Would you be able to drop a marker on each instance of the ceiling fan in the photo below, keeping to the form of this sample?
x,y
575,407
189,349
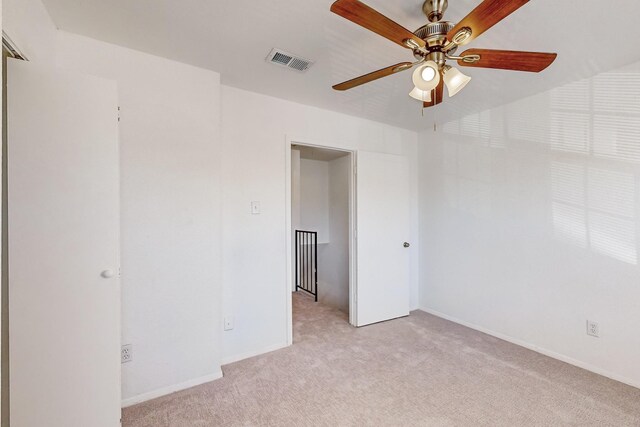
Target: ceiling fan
x,y
436,42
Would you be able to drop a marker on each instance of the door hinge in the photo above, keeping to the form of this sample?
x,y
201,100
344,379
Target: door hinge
x,y
118,113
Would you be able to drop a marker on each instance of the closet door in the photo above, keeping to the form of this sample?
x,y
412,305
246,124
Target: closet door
x,y
383,206
64,287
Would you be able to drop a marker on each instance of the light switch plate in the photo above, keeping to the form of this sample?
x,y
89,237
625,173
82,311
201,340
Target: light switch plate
x,y
228,323
255,208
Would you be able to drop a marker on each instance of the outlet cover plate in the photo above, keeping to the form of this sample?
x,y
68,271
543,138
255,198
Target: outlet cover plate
x,y
593,329
126,353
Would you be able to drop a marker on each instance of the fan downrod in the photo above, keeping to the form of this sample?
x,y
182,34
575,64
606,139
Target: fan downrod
x,y
434,9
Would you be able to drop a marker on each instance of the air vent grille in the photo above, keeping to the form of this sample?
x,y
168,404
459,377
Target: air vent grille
x,y
299,64
284,59
281,58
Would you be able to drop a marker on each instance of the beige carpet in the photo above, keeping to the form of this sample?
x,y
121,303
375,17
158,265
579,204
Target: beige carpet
x,y
415,371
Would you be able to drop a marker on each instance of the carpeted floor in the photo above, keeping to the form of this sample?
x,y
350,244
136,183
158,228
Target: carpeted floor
x,y
415,371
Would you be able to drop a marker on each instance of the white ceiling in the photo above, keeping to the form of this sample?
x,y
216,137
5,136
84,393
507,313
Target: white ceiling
x,y
233,37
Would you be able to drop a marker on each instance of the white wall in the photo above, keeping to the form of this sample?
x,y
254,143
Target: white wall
x,y
295,207
295,191
29,26
314,197
333,259
530,221
254,129
170,163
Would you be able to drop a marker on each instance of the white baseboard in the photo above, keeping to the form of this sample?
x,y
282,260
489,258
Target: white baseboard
x,y
197,381
170,389
239,357
537,349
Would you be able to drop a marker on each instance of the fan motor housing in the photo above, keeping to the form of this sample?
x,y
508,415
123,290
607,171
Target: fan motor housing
x,y
434,9
434,35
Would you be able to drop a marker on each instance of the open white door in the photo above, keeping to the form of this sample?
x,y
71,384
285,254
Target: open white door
x,y
383,290
64,287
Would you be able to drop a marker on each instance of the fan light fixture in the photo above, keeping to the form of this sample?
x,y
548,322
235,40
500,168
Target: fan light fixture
x,y
455,80
428,74
436,43
426,77
420,95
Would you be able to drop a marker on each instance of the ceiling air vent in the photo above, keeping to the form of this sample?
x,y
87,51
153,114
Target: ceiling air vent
x,y
284,59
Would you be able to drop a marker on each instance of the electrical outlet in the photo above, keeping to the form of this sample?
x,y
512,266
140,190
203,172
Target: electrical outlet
x,y
593,329
126,353
228,323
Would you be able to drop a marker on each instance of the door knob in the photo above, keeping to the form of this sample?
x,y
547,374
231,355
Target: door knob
x,y
406,244
107,274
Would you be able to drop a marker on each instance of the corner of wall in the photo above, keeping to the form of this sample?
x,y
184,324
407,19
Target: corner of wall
x,y
30,27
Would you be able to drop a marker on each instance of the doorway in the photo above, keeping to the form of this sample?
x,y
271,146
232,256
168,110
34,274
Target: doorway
x,y
321,208
379,235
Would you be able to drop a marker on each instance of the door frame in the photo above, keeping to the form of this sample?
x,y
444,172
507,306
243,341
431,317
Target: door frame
x,y
353,283
9,50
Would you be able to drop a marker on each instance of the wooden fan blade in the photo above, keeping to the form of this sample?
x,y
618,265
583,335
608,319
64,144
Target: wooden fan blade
x,y
436,94
363,15
486,15
509,60
373,76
